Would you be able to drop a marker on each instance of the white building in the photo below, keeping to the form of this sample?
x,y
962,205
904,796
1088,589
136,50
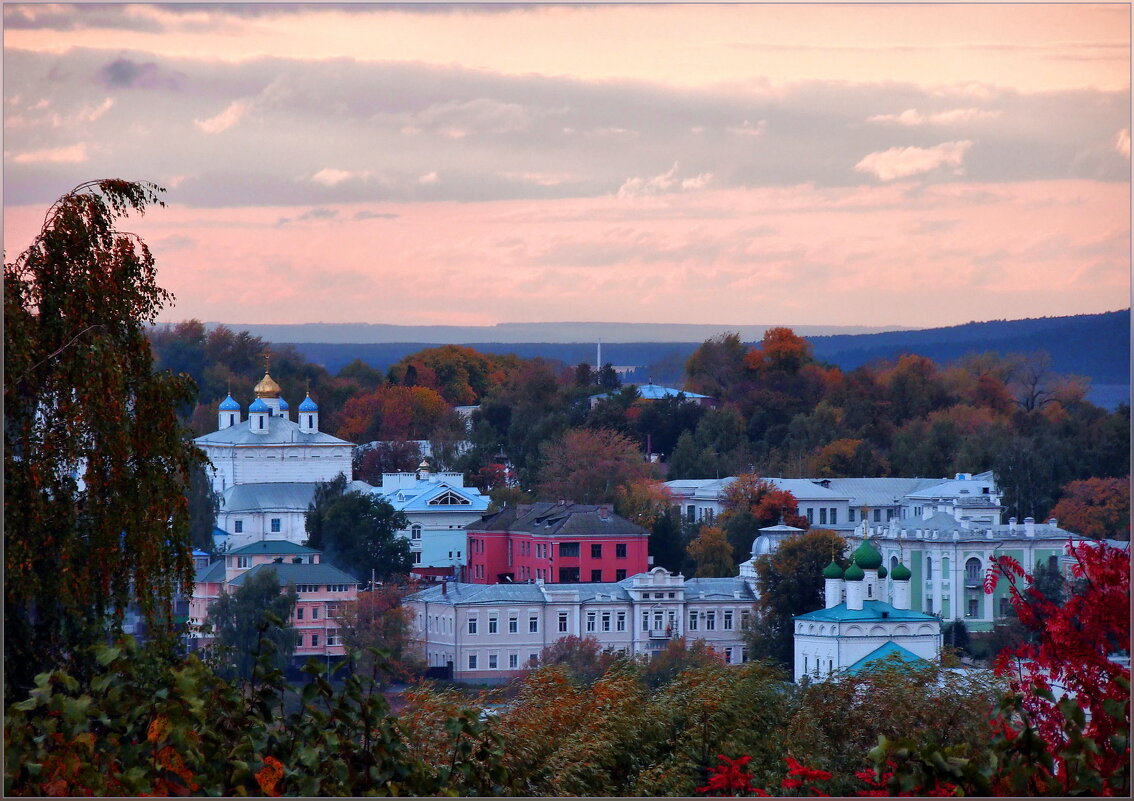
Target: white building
x,y
264,467
490,632
438,507
861,622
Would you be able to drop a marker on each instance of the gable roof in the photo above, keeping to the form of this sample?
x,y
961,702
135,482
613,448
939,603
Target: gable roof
x,y
280,432
290,573
885,652
212,574
560,520
271,548
268,496
433,496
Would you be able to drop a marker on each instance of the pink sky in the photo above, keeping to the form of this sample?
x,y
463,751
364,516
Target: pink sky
x,y
880,165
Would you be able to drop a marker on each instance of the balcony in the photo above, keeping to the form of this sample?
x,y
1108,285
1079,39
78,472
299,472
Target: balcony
x,y
662,634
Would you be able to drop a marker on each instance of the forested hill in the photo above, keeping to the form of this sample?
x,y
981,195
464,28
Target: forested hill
x,y
1093,345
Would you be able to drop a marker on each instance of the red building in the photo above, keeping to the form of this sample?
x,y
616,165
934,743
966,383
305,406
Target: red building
x,y
560,543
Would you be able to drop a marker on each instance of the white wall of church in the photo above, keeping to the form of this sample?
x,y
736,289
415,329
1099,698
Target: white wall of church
x,y
291,462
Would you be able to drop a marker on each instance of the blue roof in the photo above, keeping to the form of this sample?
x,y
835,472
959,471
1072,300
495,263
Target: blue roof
x,y
258,405
229,405
425,496
885,652
308,405
871,610
283,405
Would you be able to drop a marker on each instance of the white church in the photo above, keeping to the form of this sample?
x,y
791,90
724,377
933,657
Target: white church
x,y
265,466
860,624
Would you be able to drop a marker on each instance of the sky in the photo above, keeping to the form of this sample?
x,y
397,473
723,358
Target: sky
x,y
883,165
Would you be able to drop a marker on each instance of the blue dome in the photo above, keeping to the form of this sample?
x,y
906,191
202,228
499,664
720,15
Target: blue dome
x,y
308,405
229,405
283,405
258,405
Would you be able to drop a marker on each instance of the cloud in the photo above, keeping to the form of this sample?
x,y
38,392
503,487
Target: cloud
x,y
124,73
661,184
92,113
225,120
317,213
429,178
329,176
374,215
748,129
70,154
913,117
1122,142
902,162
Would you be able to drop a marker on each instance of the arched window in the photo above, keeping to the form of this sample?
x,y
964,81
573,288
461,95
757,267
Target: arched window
x,y
972,569
893,563
928,568
415,531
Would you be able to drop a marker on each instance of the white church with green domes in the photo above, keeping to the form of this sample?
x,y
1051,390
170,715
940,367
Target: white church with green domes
x,y
863,621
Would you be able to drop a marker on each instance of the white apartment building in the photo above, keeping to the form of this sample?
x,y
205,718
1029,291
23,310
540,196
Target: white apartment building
x,y
489,632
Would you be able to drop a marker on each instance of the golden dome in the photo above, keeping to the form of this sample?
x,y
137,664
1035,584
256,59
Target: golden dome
x,y
267,388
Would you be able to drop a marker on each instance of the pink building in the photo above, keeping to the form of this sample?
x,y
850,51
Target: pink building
x,y
558,543
320,589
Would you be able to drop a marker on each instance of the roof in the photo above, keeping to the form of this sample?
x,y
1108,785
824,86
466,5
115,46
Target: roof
x,y
652,391
213,574
308,405
878,492
280,431
560,520
590,592
258,405
275,496
945,526
713,488
951,488
871,610
290,573
229,405
885,652
426,495
271,548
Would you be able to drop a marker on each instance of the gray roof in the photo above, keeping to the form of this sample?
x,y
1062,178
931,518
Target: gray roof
x,y
875,492
272,548
488,594
280,432
214,573
717,588
560,520
273,496
290,573
461,593
946,525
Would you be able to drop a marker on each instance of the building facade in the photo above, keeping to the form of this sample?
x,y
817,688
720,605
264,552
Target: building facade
x,y
320,588
491,632
556,543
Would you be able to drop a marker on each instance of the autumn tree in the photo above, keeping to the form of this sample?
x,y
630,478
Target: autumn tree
x,y
377,620
258,609
371,461
712,553
790,583
643,502
752,503
582,658
1096,507
716,365
589,466
96,465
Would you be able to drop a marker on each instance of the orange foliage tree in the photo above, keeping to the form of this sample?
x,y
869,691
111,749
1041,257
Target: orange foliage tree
x,y
1096,507
590,465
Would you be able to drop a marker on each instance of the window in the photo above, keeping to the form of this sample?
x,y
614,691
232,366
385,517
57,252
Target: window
x,y
972,610
728,620
275,525
692,621
562,621
331,610
645,620
314,640
596,550
606,621
877,515
314,613
492,625
472,661
834,516
728,656
415,532
513,625
972,570
472,625
619,575
417,557
805,665
299,613
745,619
822,515
691,513
1005,606
850,515
596,576
307,588
242,561
568,549
657,620
620,550
332,637
533,658
568,575
238,527
513,661
492,662
710,620
591,618
533,624
620,625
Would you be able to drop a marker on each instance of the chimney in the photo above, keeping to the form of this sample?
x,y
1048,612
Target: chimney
x,y
444,587
1012,525
1030,526
1053,522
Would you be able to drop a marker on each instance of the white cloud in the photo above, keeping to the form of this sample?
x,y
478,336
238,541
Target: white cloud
x,y
697,182
72,154
660,184
428,178
92,113
329,176
902,162
225,120
539,178
913,117
748,129
1122,142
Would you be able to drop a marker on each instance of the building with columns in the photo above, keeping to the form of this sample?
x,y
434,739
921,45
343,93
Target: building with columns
x,y
265,466
863,620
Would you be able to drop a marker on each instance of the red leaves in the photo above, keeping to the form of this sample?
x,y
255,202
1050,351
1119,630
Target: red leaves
x,y
268,777
730,778
800,776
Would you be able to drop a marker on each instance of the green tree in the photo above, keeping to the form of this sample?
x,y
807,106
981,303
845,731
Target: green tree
x,y
96,465
358,532
258,610
790,581
203,505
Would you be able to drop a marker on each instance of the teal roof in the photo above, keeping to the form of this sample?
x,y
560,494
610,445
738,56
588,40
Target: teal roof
x,y
271,547
871,610
832,571
884,653
301,574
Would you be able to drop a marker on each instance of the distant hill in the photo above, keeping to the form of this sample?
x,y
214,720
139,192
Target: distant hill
x,y
1093,345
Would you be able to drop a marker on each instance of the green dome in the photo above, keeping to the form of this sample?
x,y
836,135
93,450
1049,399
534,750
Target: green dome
x,y
832,571
854,572
901,573
882,571
867,556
